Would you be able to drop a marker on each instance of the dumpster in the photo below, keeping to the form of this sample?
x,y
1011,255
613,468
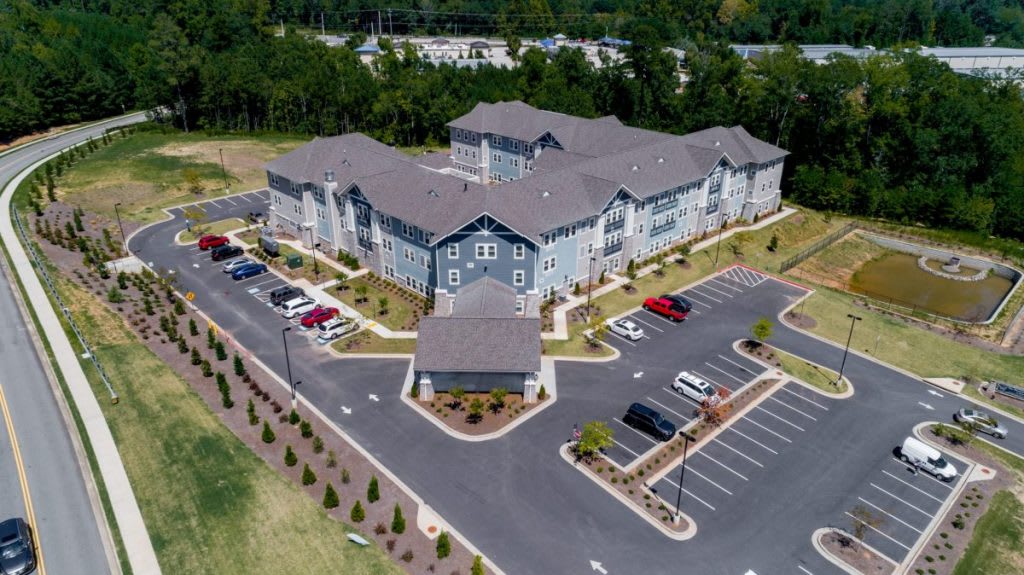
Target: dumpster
x,y
294,261
269,245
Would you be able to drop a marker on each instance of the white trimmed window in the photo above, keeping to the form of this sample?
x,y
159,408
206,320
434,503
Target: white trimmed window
x,y
453,277
495,140
528,149
496,158
297,208
518,277
520,307
453,251
424,262
386,244
519,251
486,251
570,231
514,162
515,145
549,264
409,255
458,134
385,221
549,238
408,231
273,179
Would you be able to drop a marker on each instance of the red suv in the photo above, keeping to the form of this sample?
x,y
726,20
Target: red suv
x,y
207,242
318,316
666,307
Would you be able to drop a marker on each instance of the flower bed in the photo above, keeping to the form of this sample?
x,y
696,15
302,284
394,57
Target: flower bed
x,y
459,416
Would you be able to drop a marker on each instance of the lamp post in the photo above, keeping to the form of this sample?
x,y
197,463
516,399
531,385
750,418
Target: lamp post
x,y
853,321
718,244
120,227
223,172
312,250
590,286
682,473
288,362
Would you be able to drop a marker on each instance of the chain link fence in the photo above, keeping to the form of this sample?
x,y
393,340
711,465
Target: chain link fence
x,y
817,247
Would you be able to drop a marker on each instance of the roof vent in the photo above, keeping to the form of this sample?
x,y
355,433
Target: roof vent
x,y
717,143
661,160
434,193
346,162
635,168
329,175
545,194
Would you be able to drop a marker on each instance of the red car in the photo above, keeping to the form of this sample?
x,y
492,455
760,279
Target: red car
x,y
666,307
207,242
319,316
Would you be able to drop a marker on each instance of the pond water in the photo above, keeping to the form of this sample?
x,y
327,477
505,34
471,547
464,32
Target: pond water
x,y
896,277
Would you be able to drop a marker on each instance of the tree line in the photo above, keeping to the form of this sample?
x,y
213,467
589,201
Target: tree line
x,y
897,135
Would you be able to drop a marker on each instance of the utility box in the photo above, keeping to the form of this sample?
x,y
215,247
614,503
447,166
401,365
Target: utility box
x,y
294,261
270,246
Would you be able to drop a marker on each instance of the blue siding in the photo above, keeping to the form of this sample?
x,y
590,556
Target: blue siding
x,y
486,230
566,253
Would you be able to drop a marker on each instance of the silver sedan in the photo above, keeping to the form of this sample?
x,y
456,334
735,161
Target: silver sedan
x,y
625,328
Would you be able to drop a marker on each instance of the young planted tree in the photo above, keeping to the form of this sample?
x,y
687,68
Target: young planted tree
x,y
382,305
478,566
458,393
361,293
308,477
318,444
863,518
78,220
183,345
268,434
398,521
330,497
595,436
306,429
179,307
476,410
373,491
498,395
761,330
196,358
444,546
192,327
114,295
250,409
714,409
293,417
358,513
290,459
598,331
206,368
211,338
332,459
218,349
239,366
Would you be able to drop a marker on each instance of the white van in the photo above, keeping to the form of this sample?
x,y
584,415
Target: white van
x,y
919,454
298,306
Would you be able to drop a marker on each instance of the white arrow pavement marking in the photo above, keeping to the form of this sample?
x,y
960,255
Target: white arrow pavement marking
x,y
195,265
926,406
374,397
935,393
346,410
596,566
638,375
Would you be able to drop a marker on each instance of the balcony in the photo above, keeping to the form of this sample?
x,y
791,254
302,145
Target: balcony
x,y
664,206
712,209
663,228
612,249
614,226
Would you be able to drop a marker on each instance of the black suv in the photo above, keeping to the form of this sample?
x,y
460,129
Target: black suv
x,y
257,218
226,251
679,300
645,419
17,553
285,293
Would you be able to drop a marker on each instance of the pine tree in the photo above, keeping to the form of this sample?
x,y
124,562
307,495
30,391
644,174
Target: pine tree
x,y
306,428
211,338
250,409
308,477
290,459
225,391
398,521
78,220
478,566
293,417
330,497
192,327
206,368
196,358
182,345
239,366
373,491
218,348
179,307
444,546
268,434
357,514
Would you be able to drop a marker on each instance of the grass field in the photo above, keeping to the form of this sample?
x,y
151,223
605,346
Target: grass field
x,y
210,504
820,377
576,346
843,258
995,547
214,228
147,171
894,341
369,342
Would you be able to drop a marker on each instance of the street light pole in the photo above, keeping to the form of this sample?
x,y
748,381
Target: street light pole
x,y
120,227
312,250
223,172
288,362
682,473
590,286
718,245
853,321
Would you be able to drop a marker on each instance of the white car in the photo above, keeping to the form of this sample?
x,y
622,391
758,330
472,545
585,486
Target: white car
x,y
335,328
692,386
235,264
298,306
625,328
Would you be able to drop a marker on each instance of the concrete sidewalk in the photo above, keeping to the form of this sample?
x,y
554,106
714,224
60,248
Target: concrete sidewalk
x,y
134,535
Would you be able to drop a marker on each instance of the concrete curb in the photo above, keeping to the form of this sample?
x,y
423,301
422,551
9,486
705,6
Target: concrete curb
x,y
125,507
816,542
691,529
844,395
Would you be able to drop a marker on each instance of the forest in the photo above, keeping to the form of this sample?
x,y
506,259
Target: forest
x,y
897,135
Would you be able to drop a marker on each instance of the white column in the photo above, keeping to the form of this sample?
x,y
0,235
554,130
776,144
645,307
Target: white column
x,y
426,387
529,388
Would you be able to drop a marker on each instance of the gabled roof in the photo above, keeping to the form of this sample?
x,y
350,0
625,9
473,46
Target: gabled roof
x,y
485,298
351,156
462,344
737,143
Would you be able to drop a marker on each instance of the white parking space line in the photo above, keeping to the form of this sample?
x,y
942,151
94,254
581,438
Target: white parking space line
x,y
685,418
737,452
758,407
245,197
654,327
702,294
811,401
740,381
229,201
200,253
890,515
716,290
804,570
635,454
263,282
635,431
903,501
676,485
678,395
708,379
779,435
623,339
652,314
725,285
752,440
265,290
214,203
926,474
882,533
722,465
249,278
705,478
736,364
697,301
194,249
788,406
912,486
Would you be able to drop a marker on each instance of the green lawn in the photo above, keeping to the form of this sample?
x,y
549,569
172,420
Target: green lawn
x,y
820,377
995,547
210,504
911,348
368,342
575,346
399,310
146,171
215,228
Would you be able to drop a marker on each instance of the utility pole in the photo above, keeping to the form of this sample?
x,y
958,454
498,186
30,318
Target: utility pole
x,y
223,173
853,321
718,245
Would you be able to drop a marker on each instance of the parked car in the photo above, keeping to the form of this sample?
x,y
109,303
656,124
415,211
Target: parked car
x,y
207,242
257,217
298,306
665,307
17,551
226,251
318,316
982,421
684,303
235,264
923,456
248,271
692,386
625,328
335,328
284,293
641,417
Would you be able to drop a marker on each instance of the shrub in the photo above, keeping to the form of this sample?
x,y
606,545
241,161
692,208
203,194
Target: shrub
x,y
332,459
250,408
543,393
290,459
390,545
398,521
179,307
239,366
225,391
373,491
204,366
211,338
192,327
182,346
345,477
330,497
308,477
318,444
218,348
415,391
114,295
357,514
306,428
293,417
478,566
268,434
444,547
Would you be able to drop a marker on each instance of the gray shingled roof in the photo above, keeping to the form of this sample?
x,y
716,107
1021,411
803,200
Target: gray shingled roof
x,y
351,156
737,143
506,345
485,298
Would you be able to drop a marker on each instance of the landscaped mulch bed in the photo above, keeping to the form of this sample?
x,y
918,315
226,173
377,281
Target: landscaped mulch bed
x,y
854,554
490,421
165,321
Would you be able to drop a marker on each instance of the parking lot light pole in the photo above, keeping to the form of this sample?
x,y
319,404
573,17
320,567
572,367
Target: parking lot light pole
x,y
288,362
312,250
682,473
718,244
590,286
223,172
120,227
853,321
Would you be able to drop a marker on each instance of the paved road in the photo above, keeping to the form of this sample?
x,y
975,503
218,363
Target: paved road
x,y
68,530
800,463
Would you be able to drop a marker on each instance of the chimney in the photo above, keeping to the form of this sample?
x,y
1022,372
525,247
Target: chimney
x,y
329,175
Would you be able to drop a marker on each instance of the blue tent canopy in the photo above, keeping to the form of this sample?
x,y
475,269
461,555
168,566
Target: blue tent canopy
x,y
368,49
547,42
